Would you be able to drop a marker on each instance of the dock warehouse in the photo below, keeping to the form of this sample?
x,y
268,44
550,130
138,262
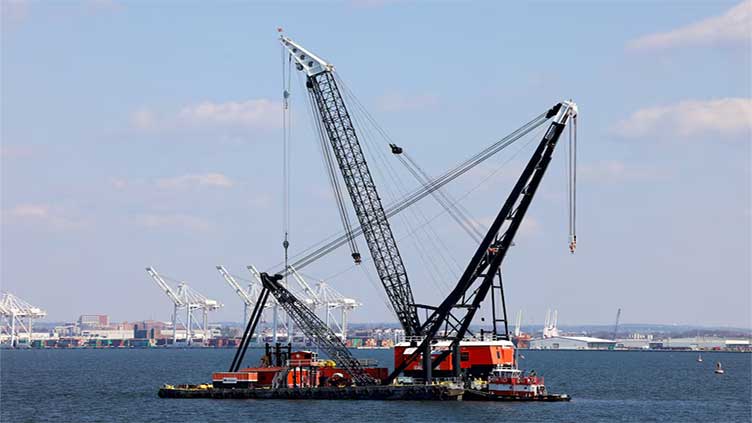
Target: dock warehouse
x,y
572,343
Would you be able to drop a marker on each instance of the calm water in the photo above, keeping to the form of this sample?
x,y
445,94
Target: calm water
x,y
121,385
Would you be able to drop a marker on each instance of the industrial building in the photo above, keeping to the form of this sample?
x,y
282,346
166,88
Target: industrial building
x,y
572,343
701,343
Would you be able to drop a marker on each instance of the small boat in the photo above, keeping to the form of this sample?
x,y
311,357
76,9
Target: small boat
x,y
510,382
718,368
699,358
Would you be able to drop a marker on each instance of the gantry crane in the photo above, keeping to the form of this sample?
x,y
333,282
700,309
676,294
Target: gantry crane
x,y
248,295
17,317
332,300
187,299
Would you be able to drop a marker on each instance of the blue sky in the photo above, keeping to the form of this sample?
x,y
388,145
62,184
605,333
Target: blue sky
x,y
137,134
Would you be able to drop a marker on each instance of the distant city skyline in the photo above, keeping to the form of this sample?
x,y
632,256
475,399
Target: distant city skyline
x,y
142,134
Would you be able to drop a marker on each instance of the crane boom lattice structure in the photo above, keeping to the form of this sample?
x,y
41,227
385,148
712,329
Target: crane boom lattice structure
x,y
339,129
451,320
311,325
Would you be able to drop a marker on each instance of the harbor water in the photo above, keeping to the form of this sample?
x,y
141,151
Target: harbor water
x,y
121,386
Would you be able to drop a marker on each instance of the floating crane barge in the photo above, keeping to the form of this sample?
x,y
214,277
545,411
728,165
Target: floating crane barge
x,y
440,359
306,377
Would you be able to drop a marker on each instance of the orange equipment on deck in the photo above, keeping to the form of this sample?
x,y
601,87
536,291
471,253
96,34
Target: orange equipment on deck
x,y
477,358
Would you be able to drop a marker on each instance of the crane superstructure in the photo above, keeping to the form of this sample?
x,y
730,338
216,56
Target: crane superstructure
x,y
17,318
187,299
450,321
336,123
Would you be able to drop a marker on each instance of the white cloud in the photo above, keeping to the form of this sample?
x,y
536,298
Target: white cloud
x,y
104,5
40,214
372,3
397,102
195,181
15,151
616,171
13,11
258,113
529,226
143,119
734,26
176,221
691,118
119,183
34,211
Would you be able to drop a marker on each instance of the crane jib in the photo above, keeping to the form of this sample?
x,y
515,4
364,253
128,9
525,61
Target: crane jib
x,y
478,277
339,129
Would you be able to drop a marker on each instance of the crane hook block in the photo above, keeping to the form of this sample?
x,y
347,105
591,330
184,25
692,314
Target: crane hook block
x,y
357,258
395,149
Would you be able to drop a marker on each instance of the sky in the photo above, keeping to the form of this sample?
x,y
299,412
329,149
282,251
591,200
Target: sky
x,y
140,134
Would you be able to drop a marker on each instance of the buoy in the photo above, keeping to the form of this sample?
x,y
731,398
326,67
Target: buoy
x,y
718,368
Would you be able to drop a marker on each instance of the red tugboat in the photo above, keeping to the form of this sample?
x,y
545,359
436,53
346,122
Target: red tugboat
x,y
512,382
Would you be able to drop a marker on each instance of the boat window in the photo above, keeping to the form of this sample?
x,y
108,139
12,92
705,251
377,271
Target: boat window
x,y
498,354
464,356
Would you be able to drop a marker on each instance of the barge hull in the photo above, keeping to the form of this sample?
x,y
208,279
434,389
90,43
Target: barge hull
x,y
382,393
475,395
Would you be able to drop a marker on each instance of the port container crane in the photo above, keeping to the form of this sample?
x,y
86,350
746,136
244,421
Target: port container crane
x,y
332,300
338,126
248,295
17,317
187,299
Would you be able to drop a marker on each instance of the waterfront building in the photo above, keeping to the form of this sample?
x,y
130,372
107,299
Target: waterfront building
x,y
572,343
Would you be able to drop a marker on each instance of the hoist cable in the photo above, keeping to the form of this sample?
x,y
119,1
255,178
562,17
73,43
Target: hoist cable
x,y
434,245
286,132
340,240
422,192
427,239
463,220
333,177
